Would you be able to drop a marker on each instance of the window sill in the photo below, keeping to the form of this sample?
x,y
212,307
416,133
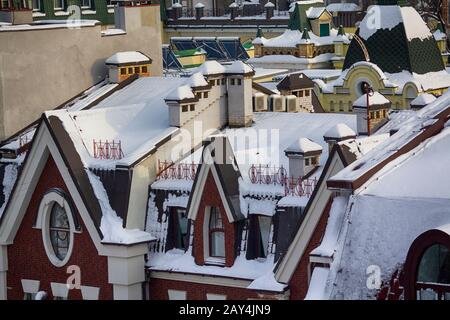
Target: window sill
x,y
214,261
61,13
37,14
88,12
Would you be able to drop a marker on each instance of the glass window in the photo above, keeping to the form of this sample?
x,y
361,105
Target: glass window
x,y
59,231
59,4
307,162
205,95
123,71
216,234
307,93
181,221
264,223
136,69
239,82
192,107
36,5
184,108
144,69
433,276
232,82
86,3
130,70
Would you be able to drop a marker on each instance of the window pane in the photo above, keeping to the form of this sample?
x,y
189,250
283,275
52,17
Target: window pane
x,y
218,244
434,266
426,294
264,229
182,229
59,231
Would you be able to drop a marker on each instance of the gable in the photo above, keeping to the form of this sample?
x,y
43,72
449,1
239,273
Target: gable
x,y
314,210
43,148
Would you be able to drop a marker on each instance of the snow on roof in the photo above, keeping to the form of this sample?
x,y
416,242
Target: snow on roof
x,y
289,59
292,5
181,93
375,99
343,7
409,129
179,261
273,132
423,99
317,284
388,17
136,115
211,68
315,12
291,38
423,82
303,145
341,130
238,67
127,57
362,145
378,231
259,40
269,5
199,5
197,80
427,164
439,35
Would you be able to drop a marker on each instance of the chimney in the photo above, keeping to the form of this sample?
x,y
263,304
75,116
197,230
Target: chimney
x,y
199,10
338,133
176,11
269,7
233,10
304,156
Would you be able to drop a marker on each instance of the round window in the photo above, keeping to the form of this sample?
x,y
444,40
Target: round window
x,y
59,229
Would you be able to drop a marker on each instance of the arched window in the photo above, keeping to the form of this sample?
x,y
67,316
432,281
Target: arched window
x,y
216,234
59,229
433,275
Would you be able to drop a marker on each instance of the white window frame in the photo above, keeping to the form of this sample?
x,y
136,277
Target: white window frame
x,y
60,291
220,261
62,2
214,296
43,223
30,287
177,294
38,8
86,7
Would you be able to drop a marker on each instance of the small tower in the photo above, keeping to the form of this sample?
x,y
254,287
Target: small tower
x,y
258,43
338,133
123,65
379,107
304,156
306,46
341,44
181,102
240,107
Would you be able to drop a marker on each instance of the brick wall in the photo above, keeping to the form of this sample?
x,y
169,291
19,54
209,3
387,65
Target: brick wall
x,y
27,258
197,291
300,280
211,197
445,12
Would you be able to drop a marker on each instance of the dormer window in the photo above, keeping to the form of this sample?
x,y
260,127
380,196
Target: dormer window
x,y
216,234
177,235
259,236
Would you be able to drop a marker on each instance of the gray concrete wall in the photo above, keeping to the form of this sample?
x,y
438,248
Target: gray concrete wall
x,y
41,69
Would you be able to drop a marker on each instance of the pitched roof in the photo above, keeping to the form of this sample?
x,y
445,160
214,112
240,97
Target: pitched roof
x,y
402,42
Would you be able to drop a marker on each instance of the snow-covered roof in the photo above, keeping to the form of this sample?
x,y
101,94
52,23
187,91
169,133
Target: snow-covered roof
x,y
408,130
238,67
315,12
291,38
388,17
136,115
303,145
375,99
341,130
197,80
181,93
269,5
423,99
199,5
343,7
127,57
211,67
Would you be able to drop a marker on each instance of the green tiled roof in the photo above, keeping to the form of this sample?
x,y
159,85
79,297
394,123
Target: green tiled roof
x,y
299,20
393,52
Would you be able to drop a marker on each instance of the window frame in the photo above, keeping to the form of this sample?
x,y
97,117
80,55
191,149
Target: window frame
x,y
84,6
63,5
215,212
57,230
